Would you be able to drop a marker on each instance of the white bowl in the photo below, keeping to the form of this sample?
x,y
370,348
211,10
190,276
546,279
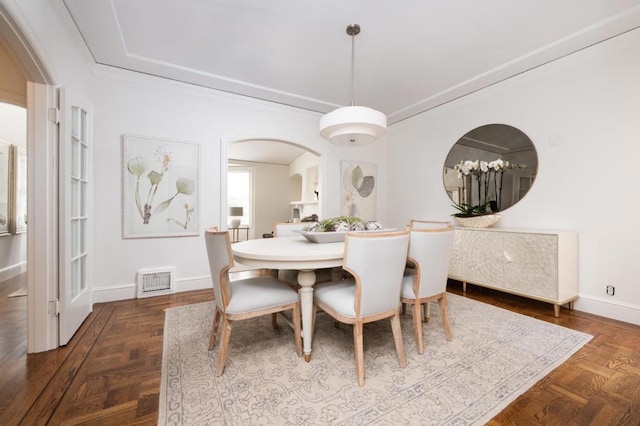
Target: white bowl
x,y
323,237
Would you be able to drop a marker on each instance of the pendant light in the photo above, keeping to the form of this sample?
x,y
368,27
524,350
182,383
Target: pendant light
x,y
353,125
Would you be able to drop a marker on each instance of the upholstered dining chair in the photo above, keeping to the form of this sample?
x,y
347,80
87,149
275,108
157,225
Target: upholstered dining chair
x,y
429,255
429,224
377,262
286,229
245,298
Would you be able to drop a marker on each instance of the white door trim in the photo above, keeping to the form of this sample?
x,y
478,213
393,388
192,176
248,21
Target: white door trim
x,y
42,234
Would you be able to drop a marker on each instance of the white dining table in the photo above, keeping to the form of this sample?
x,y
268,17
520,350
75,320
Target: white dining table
x,y
293,253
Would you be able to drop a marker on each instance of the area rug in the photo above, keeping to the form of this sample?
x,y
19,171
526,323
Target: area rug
x,y
495,356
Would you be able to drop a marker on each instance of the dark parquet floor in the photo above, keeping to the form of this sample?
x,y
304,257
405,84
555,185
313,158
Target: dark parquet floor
x,y
109,373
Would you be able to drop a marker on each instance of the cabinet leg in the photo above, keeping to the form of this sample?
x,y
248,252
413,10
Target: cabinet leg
x,y
464,286
571,305
556,310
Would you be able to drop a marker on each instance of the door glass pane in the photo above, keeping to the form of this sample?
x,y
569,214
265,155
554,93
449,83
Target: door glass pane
x,y
83,126
75,199
74,158
83,199
75,123
75,278
83,273
83,161
82,235
75,230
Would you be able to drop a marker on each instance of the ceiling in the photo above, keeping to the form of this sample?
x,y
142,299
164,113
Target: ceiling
x,y
410,56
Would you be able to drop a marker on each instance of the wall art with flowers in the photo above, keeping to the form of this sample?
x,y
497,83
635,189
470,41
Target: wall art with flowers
x,y
161,184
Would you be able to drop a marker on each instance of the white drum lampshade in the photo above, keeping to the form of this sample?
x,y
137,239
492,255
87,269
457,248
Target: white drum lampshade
x,y
353,125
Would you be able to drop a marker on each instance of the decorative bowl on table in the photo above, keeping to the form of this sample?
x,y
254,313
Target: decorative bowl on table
x,y
323,237
333,230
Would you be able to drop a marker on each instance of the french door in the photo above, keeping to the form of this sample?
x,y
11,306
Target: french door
x,y
75,288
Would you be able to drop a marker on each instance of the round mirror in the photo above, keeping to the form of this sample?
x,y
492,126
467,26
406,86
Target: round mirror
x,y
490,168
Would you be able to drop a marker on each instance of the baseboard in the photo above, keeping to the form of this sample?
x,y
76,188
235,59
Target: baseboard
x,y
129,291
12,270
607,308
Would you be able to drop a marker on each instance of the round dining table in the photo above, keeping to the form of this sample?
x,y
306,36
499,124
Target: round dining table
x,y
293,253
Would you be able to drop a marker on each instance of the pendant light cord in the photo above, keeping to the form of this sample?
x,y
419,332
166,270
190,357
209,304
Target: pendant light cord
x,y
353,72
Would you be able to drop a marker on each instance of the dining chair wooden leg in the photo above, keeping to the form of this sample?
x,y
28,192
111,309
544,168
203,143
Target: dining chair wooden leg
x,y
427,311
214,328
417,326
359,349
397,337
297,328
224,345
444,313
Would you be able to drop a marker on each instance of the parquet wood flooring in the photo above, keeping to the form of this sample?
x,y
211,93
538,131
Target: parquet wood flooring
x,y
109,373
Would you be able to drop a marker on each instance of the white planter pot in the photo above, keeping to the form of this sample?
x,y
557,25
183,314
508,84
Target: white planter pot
x,y
481,221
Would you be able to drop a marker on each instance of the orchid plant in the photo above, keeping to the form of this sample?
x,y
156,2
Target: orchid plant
x,y
486,178
138,166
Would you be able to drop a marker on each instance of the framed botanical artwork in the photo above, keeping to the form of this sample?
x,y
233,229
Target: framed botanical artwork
x,y
18,197
5,161
358,193
161,187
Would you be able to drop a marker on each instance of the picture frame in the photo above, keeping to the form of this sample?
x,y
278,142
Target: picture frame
x,y
18,191
5,188
161,184
358,193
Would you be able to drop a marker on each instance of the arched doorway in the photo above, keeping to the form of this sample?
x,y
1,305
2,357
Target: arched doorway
x,y
289,184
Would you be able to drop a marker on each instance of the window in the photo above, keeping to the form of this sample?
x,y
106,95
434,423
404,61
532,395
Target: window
x,y
240,192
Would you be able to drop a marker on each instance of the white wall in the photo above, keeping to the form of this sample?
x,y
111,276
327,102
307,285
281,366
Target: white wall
x,y
307,167
582,114
13,248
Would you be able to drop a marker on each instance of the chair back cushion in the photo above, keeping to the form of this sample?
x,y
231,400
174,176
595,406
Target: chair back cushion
x,y
377,261
430,250
220,261
288,229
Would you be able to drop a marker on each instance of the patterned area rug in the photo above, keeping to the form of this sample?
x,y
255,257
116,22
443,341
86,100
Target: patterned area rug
x,y
494,357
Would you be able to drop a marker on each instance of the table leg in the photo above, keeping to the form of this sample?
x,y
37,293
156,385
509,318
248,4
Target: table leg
x,y
306,279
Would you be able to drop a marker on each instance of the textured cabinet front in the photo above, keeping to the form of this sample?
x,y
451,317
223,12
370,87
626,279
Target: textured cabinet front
x,y
482,258
541,265
532,264
455,266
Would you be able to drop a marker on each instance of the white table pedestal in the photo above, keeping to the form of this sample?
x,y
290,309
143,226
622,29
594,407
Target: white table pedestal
x,y
306,279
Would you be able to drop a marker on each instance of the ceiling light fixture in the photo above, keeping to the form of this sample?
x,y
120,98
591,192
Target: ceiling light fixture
x,y
353,125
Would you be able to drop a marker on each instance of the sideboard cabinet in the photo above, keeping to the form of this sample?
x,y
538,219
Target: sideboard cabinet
x,y
541,265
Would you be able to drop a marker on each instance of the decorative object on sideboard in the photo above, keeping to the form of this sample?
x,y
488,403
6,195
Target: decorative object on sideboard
x,y
236,213
483,180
